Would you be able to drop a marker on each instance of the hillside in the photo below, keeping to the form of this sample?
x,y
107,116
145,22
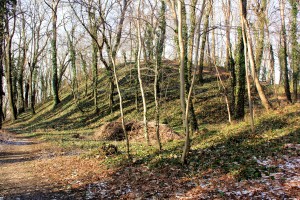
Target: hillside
x,y
226,160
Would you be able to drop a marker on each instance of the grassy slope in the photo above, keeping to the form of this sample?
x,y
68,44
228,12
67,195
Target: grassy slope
x,y
231,149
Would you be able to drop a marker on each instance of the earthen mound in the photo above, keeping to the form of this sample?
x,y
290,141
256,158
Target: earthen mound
x,y
113,131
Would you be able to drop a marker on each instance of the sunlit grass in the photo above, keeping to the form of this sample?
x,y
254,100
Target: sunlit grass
x,y
229,148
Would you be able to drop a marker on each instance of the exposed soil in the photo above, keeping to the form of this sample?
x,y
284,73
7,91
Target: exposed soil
x,y
135,129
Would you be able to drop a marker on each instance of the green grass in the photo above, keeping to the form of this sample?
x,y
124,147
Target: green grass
x,y
231,149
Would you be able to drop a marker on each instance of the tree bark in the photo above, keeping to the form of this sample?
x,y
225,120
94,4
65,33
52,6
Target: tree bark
x,y
26,96
225,93
241,75
31,88
114,48
246,29
243,11
8,60
295,49
229,63
22,63
283,54
54,53
191,36
121,107
1,60
140,76
182,80
159,50
84,68
260,12
73,60
93,30
190,50
202,49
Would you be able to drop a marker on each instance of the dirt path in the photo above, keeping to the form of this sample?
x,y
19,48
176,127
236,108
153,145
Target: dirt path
x,y
17,164
30,169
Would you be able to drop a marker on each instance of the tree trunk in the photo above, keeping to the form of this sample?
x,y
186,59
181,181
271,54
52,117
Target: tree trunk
x,y
121,107
22,63
21,105
31,87
191,36
243,11
283,54
34,91
229,63
114,48
149,42
26,94
202,49
43,87
9,67
227,13
9,61
1,60
190,50
54,53
295,49
241,75
73,62
140,76
136,82
182,80
159,50
213,45
93,28
199,32
84,68
112,91
261,93
261,9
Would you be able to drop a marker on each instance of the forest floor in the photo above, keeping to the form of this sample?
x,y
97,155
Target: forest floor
x,y
54,154
35,169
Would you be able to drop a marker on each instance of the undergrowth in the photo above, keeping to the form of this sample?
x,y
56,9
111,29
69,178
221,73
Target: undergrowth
x,y
230,149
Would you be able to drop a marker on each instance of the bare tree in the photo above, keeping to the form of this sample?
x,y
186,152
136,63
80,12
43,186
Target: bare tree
x,y
203,43
283,54
94,33
139,74
182,79
240,90
55,86
2,29
295,48
100,23
243,8
246,30
229,62
10,18
72,53
157,70
260,10
22,60
37,19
